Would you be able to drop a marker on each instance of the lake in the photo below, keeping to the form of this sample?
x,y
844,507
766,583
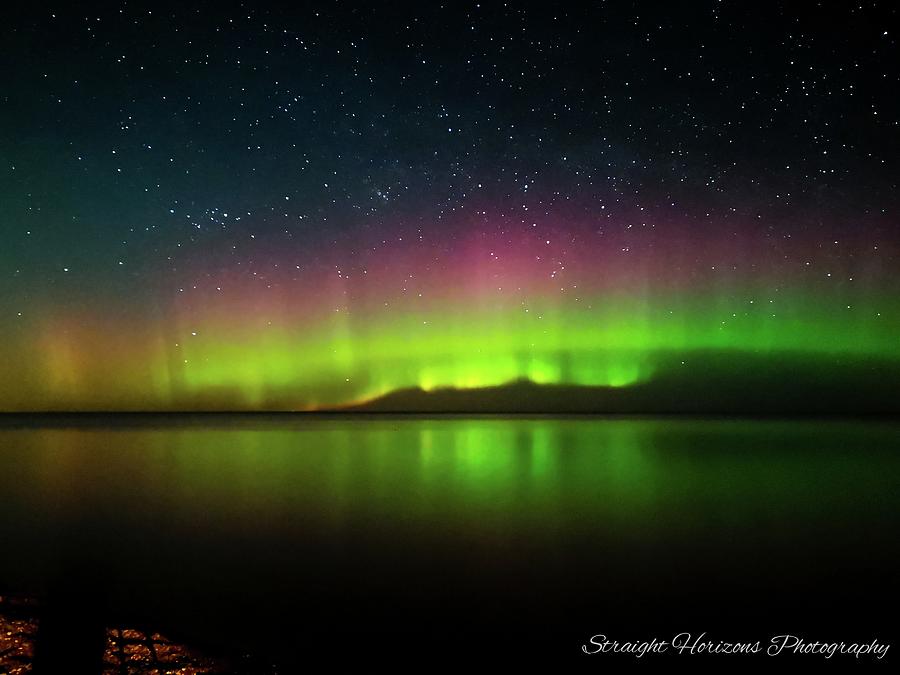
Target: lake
x,y
286,536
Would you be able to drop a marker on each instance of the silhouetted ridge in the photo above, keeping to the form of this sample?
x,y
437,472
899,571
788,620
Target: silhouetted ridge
x,y
750,385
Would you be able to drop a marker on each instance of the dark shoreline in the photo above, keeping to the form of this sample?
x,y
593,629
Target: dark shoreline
x,y
27,420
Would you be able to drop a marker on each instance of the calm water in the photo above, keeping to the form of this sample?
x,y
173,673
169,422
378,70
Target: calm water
x,y
285,534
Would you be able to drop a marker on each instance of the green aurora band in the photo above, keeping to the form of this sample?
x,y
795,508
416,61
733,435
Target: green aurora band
x,y
275,363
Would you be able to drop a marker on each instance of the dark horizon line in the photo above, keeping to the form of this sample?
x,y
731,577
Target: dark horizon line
x,y
357,412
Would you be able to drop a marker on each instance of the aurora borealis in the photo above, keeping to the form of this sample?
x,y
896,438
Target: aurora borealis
x,y
301,339
253,209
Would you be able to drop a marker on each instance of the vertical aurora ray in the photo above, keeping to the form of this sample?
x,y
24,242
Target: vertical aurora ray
x,y
471,313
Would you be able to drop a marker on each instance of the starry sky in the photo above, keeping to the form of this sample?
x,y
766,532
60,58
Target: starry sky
x,y
251,207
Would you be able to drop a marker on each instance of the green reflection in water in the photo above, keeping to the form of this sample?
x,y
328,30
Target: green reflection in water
x,y
483,478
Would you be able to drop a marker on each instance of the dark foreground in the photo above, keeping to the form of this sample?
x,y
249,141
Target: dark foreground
x,y
269,541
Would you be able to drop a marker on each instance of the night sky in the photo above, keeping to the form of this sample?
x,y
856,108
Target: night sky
x,y
240,207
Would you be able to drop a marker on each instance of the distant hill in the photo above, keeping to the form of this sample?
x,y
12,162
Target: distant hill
x,y
711,382
717,385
